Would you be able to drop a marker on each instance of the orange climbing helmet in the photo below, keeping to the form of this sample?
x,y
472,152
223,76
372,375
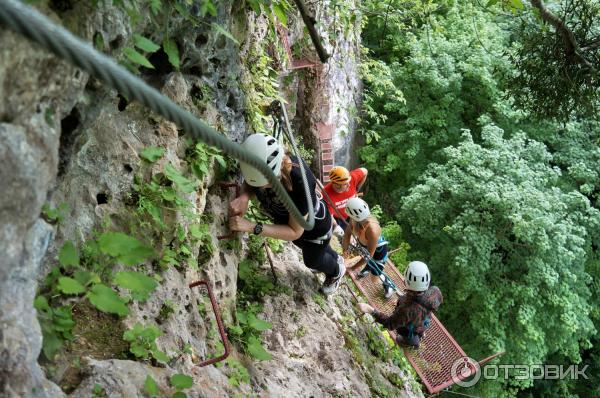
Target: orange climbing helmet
x,y
339,175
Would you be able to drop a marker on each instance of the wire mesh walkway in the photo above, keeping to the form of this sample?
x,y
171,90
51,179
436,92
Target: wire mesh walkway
x,y
438,351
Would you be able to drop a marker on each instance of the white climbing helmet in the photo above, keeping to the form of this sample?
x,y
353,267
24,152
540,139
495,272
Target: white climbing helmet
x,y
268,149
357,209
417,276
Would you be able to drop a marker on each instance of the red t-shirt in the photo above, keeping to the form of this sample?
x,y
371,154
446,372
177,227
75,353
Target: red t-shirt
x,y
340,199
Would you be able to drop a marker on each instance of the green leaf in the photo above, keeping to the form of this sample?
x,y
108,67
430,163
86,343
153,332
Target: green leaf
x,y
179,394
181,381
517,4
172,52
258,324
136,57
199,231
125,248
150,386
107,300
68,255
152,153
155,6
85,277
255,5
208,7
41,304
145,44
280,13
51,343
160,356
221,160
70,286
224,32
183,183
491,3
257,350
235,330
140,284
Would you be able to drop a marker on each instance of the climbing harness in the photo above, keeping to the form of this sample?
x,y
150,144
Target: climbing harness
x,y
30,23
375,265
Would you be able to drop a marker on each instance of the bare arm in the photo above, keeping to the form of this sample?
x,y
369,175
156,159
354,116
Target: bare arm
x,y
239,206
289,232
363,179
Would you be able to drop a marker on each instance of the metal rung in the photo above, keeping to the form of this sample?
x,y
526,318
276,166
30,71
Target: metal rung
x,y
215,308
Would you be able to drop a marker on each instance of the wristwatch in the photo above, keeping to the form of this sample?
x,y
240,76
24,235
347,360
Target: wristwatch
x,y
258,228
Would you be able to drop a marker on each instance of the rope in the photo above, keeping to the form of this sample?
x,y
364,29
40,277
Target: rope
x,y
38,28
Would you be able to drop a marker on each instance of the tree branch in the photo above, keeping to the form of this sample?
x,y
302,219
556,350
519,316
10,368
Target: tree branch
x,y
563,30
309,21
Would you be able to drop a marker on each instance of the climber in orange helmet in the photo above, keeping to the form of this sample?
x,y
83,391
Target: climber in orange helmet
x,y
343,185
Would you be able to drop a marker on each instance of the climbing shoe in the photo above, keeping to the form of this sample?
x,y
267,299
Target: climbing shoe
x,y
388,291
364,272
332,283
413,342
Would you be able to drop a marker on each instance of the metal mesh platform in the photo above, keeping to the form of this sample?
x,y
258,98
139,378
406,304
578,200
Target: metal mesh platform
x,y
438,350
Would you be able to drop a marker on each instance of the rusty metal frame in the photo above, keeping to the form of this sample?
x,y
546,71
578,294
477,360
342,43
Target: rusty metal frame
x,y
220,326
294,63
415,360
235,185
270,258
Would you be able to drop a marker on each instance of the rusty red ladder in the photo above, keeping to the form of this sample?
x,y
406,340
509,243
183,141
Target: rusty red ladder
x,y
438,351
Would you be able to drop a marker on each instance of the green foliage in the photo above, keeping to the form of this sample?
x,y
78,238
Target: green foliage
x,y
181,381
68,255
152,153
506,216
238,374
261,87
166,310
451,84
221,30
183,183
247,332
140,285
170,48
125,249
142,342
70,286
554,79
54,215
145,44
150,386
98,391
508,244
107,300
200,157
56,323
137,58
393,233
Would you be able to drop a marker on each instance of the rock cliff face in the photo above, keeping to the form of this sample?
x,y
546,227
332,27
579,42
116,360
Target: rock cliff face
x,y
71,143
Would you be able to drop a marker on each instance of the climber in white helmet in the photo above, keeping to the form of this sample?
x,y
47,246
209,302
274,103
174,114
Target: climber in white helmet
x,y
317,253
412,314
366,228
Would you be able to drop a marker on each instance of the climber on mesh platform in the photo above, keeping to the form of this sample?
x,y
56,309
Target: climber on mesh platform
x,y
317,253
412,314
366,228
342,186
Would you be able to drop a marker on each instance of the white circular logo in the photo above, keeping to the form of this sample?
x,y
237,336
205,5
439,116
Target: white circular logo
x,y
464,368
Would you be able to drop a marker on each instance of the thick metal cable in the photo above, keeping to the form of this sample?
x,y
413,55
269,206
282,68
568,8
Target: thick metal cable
x,y
37,27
